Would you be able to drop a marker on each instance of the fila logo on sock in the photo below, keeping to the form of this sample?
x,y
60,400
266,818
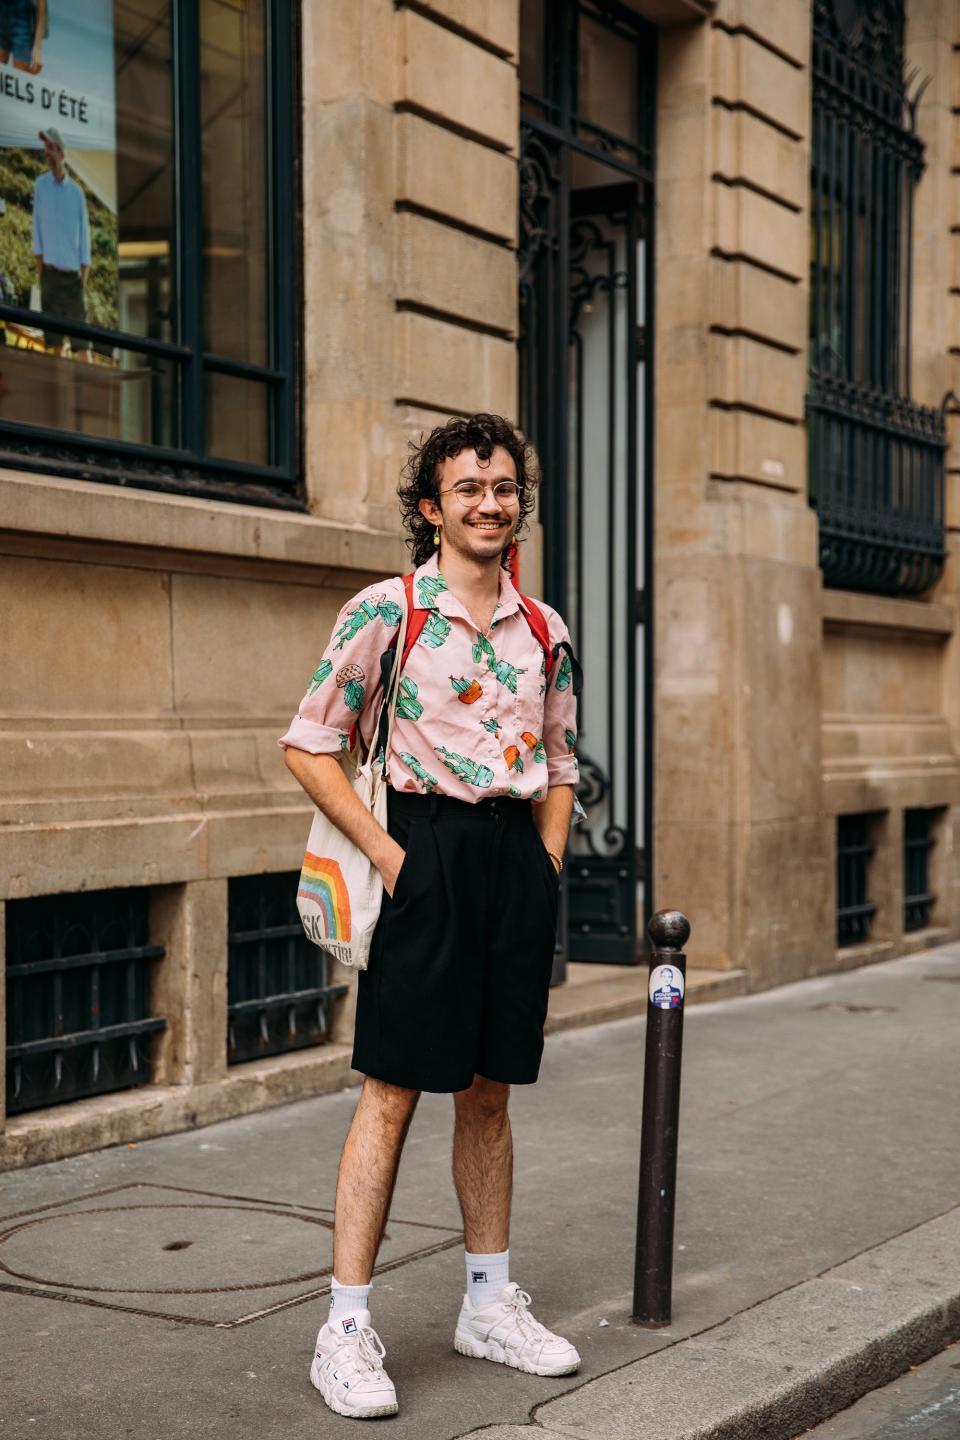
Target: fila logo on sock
x,y
479,1277
349,1326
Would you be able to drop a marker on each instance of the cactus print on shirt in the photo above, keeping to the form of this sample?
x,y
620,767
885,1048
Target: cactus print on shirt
x,y
474,716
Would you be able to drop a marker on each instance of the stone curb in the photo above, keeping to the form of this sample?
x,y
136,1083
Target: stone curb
x,y
785,1364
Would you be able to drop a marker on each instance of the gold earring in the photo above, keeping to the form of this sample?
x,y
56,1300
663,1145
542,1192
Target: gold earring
x,y
436,536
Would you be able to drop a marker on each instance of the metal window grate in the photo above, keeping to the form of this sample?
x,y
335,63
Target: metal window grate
x,y
854,911
918,842
78,1003
278,988
876,458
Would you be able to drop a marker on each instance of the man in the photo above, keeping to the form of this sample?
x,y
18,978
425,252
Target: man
x,y
481,775
23,28
61,238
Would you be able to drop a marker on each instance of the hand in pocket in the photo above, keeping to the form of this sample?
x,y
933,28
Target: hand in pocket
x,y
390,872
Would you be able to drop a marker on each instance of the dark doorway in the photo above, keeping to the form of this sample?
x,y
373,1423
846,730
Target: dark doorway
x,y
587,77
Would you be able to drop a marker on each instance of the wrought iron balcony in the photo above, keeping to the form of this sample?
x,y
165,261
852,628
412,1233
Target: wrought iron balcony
x,y
877,484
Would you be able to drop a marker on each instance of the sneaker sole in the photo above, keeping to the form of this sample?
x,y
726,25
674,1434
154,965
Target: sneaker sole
x,y
490,1350
369,1412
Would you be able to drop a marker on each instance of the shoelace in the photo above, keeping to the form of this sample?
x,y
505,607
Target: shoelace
x,y
529,1326
370,1350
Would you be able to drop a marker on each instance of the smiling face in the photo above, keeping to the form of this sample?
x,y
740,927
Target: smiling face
x,y
481,531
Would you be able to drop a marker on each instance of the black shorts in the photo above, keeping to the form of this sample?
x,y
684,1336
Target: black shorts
x,y
461,957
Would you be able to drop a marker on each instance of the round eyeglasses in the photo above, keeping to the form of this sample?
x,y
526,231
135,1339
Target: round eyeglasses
x,y
471,492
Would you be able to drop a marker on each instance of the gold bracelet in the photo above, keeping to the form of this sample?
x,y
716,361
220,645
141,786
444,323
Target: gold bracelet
x,y
557,858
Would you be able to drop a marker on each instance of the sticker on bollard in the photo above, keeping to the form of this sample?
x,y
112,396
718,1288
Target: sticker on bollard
x,y
666,987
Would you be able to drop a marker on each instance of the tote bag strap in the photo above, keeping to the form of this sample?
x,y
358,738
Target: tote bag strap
x,y
383,735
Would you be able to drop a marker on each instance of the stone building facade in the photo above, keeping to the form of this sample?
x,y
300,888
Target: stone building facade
x,y
158,629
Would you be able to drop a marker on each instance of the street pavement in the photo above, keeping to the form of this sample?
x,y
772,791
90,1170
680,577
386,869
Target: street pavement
x,y
176,1286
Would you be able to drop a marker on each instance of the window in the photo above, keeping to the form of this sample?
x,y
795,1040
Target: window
x,y
146,246
278,990
918,842
78,1007
876,458
855,911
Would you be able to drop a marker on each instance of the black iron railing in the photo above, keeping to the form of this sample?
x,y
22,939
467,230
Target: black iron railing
x,y
876,459
855,911
918,842
278,990
877,485
78,1005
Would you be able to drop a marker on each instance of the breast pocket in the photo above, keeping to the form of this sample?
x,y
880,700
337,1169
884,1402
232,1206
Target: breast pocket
x,y
528,713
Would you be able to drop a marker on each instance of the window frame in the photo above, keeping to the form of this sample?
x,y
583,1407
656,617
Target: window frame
x,y
185,468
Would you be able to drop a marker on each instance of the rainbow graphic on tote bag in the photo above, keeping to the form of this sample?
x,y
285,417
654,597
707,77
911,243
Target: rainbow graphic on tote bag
x,y
322,884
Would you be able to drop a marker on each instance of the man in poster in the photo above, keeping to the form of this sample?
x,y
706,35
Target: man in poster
x,y
23,25
61,238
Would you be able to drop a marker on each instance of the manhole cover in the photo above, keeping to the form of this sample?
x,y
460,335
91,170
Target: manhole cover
x,y
193,1256
143,1249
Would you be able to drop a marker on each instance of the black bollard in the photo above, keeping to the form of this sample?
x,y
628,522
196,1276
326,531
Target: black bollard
x,y
653,1275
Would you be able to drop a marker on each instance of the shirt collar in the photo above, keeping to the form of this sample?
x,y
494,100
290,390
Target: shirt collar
x,y
431,593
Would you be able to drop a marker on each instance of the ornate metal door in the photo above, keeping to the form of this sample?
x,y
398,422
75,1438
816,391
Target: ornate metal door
x,y
585,265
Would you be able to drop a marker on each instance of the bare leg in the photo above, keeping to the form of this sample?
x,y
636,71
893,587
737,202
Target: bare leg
x,y
368,1173
483,1164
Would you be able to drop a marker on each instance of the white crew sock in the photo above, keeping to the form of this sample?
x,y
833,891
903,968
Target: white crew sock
x,y
347,1300
486,1277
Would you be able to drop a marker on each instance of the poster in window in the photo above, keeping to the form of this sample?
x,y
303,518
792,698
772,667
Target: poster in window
x,y
58,169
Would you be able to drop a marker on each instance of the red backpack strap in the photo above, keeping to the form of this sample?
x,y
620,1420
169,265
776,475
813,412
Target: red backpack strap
x,y
416,619
539,628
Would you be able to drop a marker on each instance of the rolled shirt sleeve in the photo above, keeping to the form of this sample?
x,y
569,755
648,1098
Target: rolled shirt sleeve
x,y
345,689
560,710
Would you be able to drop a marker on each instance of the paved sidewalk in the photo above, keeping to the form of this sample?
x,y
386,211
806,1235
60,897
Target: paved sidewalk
x,y
174,1288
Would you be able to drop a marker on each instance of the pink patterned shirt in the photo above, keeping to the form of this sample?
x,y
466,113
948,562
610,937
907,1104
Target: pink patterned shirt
x,y
476,716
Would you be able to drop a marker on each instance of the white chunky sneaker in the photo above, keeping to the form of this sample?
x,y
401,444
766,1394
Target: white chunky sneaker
x,y
348,1368
505,1331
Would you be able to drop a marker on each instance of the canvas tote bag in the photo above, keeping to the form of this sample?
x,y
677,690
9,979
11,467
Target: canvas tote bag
x,y
340,890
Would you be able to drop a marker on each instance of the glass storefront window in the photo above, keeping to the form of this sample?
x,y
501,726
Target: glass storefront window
x,y
145,158
237,413
235,200
120,396
144,82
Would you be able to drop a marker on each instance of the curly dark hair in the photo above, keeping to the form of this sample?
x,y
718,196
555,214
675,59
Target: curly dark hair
x,y
421,474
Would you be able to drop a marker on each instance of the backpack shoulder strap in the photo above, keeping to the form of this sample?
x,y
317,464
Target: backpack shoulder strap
x,y
416,619
539,628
